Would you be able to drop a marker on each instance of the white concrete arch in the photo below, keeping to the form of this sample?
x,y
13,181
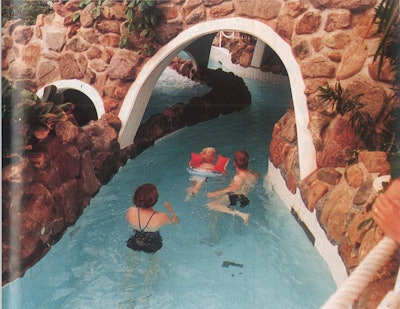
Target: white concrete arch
x,y
81,86
136,100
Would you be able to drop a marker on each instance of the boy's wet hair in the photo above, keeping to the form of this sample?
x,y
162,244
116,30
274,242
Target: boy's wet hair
x,y
145,196
241,159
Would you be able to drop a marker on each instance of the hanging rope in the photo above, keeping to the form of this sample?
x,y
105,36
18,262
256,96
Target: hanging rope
x,y
350,291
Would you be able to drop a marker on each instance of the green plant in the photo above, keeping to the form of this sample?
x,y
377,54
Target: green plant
x,y
28,118
365,127
142,16
387,18
99,4
26,10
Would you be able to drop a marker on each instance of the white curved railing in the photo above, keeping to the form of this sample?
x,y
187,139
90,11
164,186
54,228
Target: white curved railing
x,y
222,34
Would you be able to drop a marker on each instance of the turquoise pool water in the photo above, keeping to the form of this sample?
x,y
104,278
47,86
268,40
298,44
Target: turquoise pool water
x,y
274,264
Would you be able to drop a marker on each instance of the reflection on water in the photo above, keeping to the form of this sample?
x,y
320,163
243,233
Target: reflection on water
x,y
90,267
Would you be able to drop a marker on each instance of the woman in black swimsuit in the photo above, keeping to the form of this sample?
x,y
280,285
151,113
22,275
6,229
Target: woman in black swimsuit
x,y
146,221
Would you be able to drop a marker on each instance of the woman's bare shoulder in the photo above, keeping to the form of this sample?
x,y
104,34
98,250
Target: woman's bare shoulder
x,y
162,217
131,211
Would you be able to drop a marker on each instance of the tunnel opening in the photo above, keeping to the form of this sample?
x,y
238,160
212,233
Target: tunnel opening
x,y
84,110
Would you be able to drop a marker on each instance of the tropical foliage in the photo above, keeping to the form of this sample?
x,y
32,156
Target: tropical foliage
x,y
26,118
142,17
387,137
374,136
388,20
26,10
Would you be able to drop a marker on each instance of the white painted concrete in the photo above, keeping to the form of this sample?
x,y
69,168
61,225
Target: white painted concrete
x,y
329,252
81,86
136,100
258,54
222,55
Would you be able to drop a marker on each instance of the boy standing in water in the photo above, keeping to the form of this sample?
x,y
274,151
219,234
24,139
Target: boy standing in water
x,y
241,184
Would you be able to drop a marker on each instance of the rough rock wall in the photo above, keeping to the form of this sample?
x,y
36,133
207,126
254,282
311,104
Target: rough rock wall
x,y
46,189
332,41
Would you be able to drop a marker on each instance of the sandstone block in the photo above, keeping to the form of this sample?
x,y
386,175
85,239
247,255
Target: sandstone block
x,y
69,68
78,44
309,23
109,26
371,95
375,161
284,26
196,15
356,231
363,193
337,40
317,67
259,9
348,254
296,7
20,70
353,60
339,143
55,40
339,204
278,150
302,50
221,10
314,194
23,34
369,241
339,19
355,5
329,175
31,54
354,176
291,166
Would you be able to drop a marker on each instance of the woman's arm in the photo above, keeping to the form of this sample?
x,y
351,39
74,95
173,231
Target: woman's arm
x,y
171,211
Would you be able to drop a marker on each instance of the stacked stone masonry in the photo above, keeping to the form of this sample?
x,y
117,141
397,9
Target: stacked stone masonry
x,y
331,40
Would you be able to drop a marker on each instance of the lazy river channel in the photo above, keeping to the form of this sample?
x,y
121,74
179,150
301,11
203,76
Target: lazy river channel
x,y
209,259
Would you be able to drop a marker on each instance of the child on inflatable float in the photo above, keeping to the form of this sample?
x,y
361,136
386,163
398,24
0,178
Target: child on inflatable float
x,y
201,167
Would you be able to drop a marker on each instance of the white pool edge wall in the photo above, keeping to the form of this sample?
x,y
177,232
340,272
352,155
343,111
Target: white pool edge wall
x,y
329,252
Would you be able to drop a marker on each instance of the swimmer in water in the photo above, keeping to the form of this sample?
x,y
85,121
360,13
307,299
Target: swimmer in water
x,y
147,222
206,165
242,183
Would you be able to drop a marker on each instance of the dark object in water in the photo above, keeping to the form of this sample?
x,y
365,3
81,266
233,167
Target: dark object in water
x,y
227,264
234,198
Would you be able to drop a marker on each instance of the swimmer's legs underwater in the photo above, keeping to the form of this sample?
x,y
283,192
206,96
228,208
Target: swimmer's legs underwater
x,y
139,287
215,206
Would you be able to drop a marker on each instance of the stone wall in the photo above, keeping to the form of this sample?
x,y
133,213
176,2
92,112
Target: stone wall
x,y
45,190
331,40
